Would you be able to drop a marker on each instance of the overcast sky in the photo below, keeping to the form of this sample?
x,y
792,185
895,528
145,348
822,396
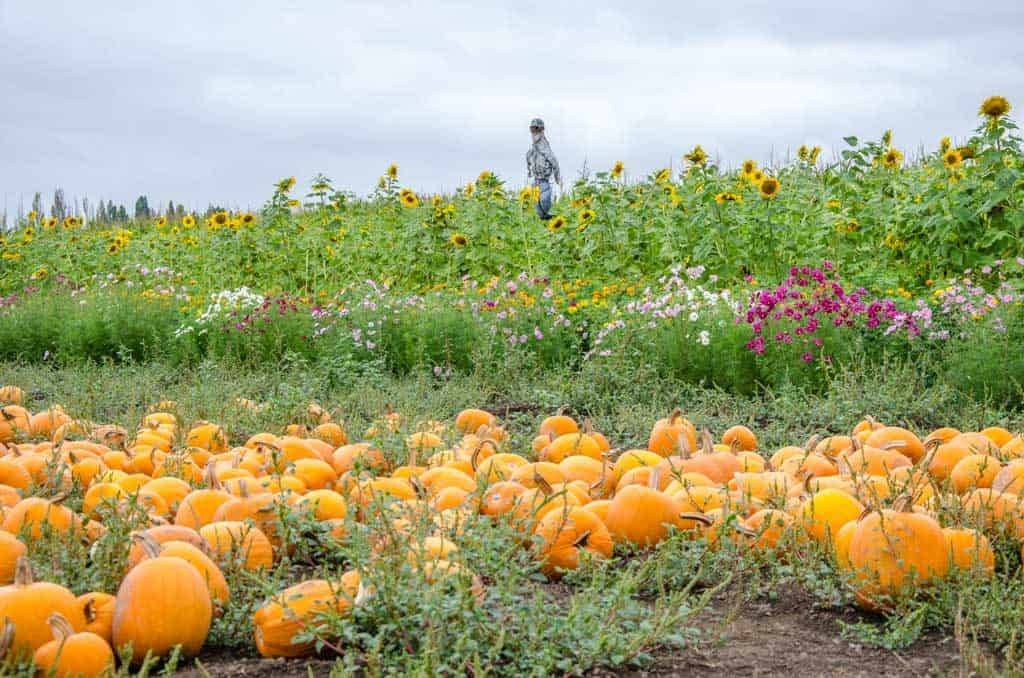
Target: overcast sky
x,y
208,101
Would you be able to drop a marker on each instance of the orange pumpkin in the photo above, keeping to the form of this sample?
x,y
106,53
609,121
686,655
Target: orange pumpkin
x,y
290,613
161,603
98,609
233,540
82,654
11,550
28,604
565,535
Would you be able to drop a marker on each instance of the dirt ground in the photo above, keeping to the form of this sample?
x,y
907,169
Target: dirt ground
x,y
787,637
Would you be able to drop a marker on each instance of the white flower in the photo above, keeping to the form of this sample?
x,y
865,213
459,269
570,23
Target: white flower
x,y
704,338
693,317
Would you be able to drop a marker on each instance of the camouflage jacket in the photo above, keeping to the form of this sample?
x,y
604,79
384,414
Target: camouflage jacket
x,y
541,163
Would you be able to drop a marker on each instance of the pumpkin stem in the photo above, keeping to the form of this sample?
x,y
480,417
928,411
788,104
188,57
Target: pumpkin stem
x,y
413,454
211,477
420,490
654,482
6,637
684,446
744,530
599,483
706,444
23,572
588,426
60,627
581,541
734,446
542,483
474,458
89,610
150,546
811,443
676,414
58,498
699,517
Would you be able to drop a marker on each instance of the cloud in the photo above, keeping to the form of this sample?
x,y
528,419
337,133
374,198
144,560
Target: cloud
x,y
213,102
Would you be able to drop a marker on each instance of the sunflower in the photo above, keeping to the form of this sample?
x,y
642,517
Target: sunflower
x,y
485,176
994,107
113,248
803,152
50,223
887,138
525,195
756,177
188,221
175,230
392,171
161,222
32,216
248,218
459,240
697,156
815,152
662,176
893,158
586,216
286,185
294,203
769,187
69,222
409,199
951,158
966,152
435,201
617,169
469,188
29,233
556,224
40,273
944,144
221,219
749,167
726,196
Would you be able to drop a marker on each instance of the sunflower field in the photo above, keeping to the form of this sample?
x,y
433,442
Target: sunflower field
x,y
700,412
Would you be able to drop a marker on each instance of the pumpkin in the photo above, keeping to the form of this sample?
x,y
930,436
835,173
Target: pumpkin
x,y
206,568
975,471
826,512
11,395
208,437
970,551
470,420
161,534
288,614
558,425
501,498
28,604
894,550
1010,478
233,540
565,535
161,603
324,504
672,435
740,438
571,444
332,433
640,514
11,550
82,654
945,457
35,513
98,609
769,527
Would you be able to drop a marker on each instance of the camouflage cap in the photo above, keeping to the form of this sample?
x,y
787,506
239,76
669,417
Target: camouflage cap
x,y
537,122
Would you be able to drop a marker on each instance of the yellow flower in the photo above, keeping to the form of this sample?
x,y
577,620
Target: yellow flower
x,y
221,219
459,240
113,248
188,221
435,201
893,158
617,169
749,167
409,199
70,222
525,195
951,158
833,204
484,177
887,138
50,223
12,256
556,224
944,144
803,152
966,152
392,171
726,196
697,156
32,216
40,273
586,216
247,218
382,182
161,222
662,176
756,177
815,152
769,187
994,107
469,188
293,203
286,185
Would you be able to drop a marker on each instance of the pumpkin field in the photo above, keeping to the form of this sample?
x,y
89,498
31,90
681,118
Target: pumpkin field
x,y
706,421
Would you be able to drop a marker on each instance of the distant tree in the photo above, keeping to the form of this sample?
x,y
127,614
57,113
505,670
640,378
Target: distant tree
x,y
37,205
142,208
179,211
170,209
122,213
101,211
59,208
85,207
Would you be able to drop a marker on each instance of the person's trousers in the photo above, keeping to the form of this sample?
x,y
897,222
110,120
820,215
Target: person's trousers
x,y
544,201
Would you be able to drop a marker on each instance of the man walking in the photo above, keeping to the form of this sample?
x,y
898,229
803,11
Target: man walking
x,y
541,165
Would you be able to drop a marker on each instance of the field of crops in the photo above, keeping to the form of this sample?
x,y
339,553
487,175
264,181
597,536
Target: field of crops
x,y
700,415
